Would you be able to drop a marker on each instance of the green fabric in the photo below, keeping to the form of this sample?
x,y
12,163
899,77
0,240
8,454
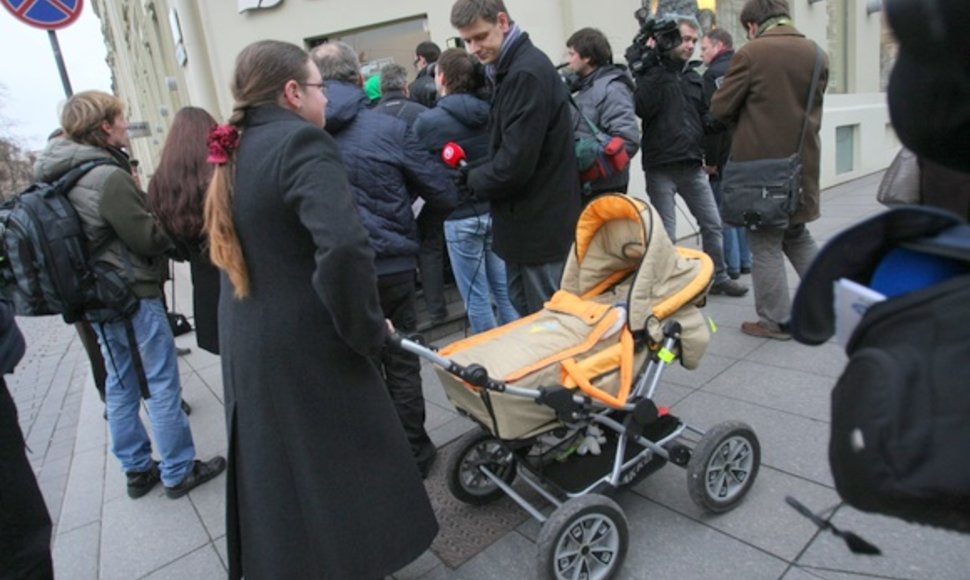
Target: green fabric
x,y
372,87
586,151
114,213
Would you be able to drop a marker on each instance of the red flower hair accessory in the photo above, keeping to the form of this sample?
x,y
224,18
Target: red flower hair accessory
x,y
223,142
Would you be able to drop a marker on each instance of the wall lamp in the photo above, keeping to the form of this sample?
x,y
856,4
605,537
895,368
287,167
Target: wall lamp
x,y
873,6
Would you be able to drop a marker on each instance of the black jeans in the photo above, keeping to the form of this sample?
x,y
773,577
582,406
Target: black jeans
x,y
431,258
25,525
402,370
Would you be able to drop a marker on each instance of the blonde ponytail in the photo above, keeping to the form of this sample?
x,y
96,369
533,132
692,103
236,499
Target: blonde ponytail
x,y
225,250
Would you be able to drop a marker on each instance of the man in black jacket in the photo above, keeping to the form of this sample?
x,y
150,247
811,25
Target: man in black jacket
x,y
423,89
431,257
670,101
387,168
717,48
395,94
530,176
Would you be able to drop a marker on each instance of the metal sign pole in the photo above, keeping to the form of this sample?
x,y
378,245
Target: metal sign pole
x,y
56,47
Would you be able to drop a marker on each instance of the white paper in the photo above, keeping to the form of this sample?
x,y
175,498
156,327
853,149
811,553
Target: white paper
x,y
416,206
852,300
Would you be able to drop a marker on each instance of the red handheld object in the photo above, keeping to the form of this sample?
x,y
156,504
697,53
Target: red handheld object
x,y
453,155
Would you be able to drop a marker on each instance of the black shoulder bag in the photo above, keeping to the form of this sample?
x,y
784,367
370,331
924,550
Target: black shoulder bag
x,y
764,193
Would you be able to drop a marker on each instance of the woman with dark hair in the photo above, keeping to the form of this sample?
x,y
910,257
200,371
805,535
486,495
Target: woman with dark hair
x,y
176,194
462,117
321,481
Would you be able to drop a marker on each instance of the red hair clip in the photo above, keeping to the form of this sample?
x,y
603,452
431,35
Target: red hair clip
x,y
223,142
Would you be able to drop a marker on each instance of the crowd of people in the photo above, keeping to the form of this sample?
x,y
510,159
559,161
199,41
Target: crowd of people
x,y
351,189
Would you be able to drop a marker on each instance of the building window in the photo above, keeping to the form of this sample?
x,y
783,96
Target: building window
x,y
840,14
845,138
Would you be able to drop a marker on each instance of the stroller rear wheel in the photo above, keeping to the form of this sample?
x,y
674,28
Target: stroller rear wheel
x,y
586,537
724,466
466,481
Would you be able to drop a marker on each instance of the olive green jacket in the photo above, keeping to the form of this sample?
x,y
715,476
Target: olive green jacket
x,y
120,229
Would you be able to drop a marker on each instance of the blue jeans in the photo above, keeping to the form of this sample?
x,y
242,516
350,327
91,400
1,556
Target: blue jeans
x,y
480,273
690,181
170,425
737,254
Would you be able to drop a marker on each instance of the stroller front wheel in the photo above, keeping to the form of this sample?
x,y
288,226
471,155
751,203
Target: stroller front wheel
x,y
466,481
724,466
586,537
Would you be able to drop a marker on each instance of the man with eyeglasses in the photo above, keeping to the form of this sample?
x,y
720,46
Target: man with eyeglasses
x,y
423,89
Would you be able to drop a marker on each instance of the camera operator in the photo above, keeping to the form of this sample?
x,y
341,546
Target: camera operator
x,y
670,101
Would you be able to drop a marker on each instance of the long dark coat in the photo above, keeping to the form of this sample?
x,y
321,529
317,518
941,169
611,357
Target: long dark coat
x,y
764,92
205,298
205,290
321,483
530,178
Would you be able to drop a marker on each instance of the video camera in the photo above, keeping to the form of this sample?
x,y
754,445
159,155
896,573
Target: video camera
x,y
665,34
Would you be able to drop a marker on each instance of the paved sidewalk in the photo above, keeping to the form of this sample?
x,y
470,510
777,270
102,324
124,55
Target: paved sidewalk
x,y
781,389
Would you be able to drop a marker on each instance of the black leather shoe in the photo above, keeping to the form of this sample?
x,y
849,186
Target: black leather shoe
x,y
142,482
425,459
202,471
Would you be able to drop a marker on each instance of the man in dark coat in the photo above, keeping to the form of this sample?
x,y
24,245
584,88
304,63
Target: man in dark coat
x,y
431,256
530,177
423,89
764,94
394,95
717,49
25,525
670,101
387,168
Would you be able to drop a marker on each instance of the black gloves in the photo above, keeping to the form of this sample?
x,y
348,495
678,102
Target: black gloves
x,y
634,54
641,58
461,183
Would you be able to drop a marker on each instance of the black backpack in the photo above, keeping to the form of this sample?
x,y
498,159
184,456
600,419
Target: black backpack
x,y
44,263
900,431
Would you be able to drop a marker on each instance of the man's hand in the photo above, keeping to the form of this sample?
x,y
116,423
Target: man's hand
x,y
710,169
634,54
641,57
461,183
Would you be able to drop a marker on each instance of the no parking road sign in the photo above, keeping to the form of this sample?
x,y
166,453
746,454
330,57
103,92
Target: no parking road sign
x,y
46,14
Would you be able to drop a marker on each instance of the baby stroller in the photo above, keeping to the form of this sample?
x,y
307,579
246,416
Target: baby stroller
x,y
555,393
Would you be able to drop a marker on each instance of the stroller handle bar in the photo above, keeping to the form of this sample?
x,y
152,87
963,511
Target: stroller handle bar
x,y
476,375
473,374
